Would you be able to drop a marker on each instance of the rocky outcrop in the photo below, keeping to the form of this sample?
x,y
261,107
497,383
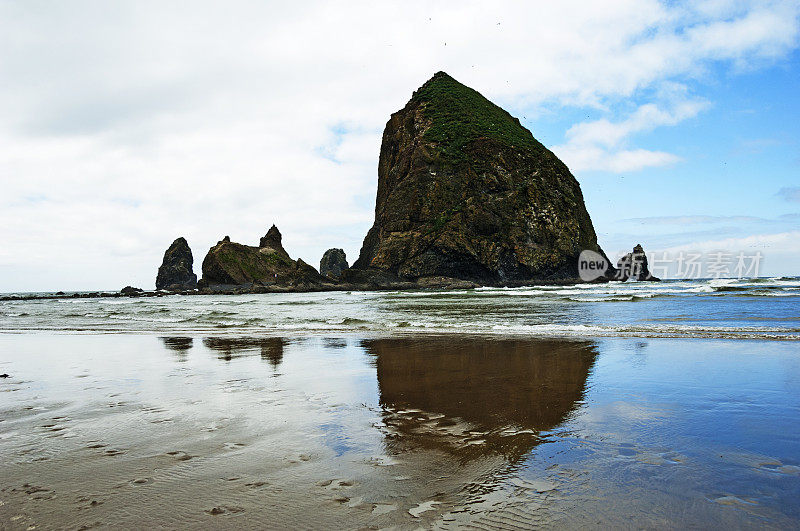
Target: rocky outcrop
x,y
130,290
273,240
234,264
333,263
466,192
175,272
634,266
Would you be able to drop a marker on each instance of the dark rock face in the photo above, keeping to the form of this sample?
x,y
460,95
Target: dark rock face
x,y
272,239
130,290
231,263
175,272
466,192
333,262
634,265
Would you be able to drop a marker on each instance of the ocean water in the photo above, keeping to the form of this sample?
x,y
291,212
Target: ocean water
x,y
763,308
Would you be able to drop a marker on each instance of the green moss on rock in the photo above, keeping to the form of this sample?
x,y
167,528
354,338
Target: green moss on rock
x,y
460,115
231,263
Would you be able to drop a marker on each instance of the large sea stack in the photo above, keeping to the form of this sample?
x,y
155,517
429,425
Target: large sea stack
x,y
234,264
465,191
176,272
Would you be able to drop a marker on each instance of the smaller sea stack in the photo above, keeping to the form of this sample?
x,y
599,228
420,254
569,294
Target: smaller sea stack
x,y
333,263
175,272
634,266
234,264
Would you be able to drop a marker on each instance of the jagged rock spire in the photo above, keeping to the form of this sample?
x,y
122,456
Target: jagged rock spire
x,y
176,269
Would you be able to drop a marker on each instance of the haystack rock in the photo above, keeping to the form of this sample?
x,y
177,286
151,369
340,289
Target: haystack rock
x,y
634,266
333,263
175,272
466,192
230,263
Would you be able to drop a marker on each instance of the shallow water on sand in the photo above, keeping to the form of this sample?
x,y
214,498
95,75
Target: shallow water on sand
x,y
206,431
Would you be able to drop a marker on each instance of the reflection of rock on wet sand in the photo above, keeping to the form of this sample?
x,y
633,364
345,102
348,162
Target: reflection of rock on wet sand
x,y
478,396
178,344
271,347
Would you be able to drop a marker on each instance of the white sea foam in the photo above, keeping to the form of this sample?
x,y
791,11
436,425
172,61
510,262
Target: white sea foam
x,y
705,308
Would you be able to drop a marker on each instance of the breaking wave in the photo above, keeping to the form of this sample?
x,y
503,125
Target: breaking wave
x,y
724,308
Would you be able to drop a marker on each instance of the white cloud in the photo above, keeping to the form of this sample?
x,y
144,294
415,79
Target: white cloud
x,y
601,144
708,220
645,118
780,242
582,157
778,251
772,254
126,124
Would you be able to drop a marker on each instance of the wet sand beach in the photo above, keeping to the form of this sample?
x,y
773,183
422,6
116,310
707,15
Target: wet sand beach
x,y
187,431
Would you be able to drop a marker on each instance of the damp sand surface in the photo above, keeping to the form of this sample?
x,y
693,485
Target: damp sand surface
x,y
137,431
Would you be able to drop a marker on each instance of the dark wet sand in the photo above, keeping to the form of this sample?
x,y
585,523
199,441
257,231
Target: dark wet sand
x,y
187,432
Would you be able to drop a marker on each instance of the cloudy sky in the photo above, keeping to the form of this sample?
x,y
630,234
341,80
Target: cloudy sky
x,y
126,124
